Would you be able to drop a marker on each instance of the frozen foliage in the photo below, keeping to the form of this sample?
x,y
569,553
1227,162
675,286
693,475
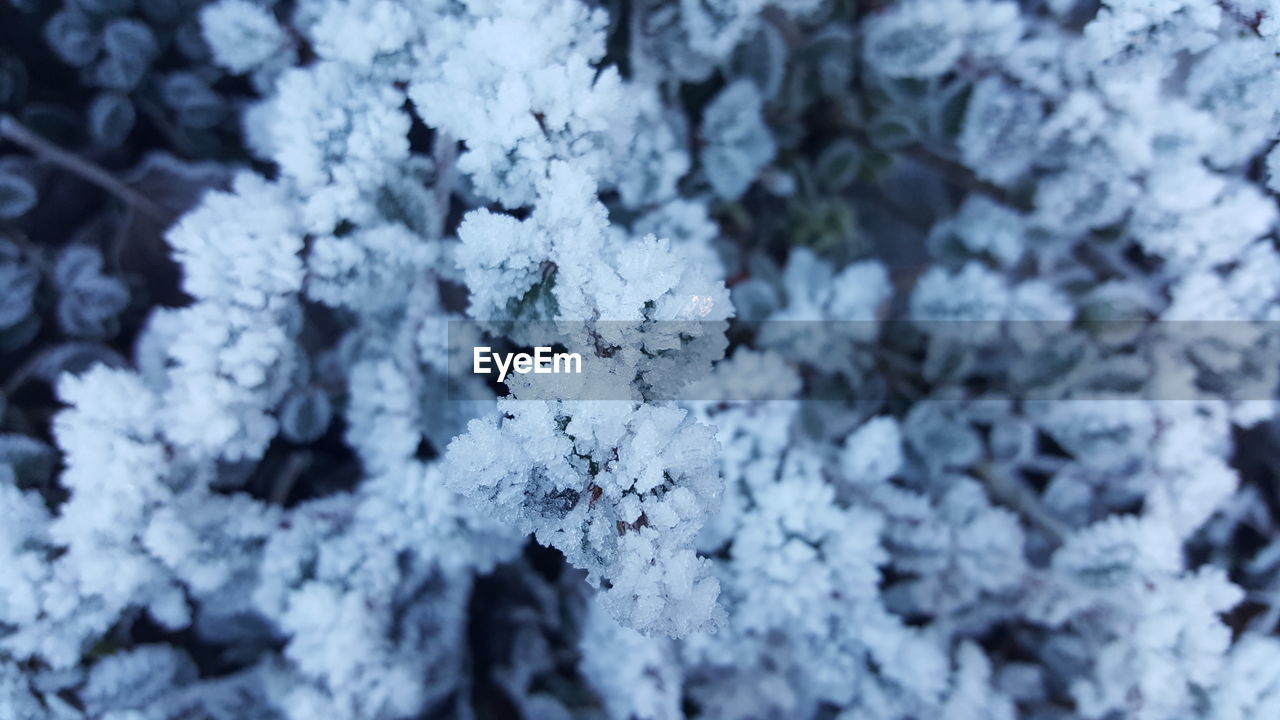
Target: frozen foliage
x,y
925,38
1000,126
233,354
623,502
20,280
997,439
89,301
737,142
109,436
243,36
638,676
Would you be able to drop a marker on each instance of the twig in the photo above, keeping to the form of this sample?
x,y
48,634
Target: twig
x,y
962,177
294,466
1011,492
19,134
1110,261
951,171
445,153
121,237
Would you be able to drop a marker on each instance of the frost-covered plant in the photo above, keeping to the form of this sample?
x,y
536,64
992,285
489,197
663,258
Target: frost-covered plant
x,y
927,351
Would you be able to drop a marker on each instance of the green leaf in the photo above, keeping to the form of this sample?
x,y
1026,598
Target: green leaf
x,y
891,132
838,165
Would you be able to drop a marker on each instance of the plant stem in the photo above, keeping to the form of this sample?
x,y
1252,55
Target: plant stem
x,y
446,155
297,462
952,172
19,134
1011,492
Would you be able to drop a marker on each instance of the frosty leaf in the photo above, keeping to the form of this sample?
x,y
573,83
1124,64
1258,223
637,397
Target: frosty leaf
x,y
88,309
336,133
136,678
833,50
940,438
637,675
17,195
173,186
73,38
913,39
19,281
503,261
1236,81
961,305
763,60
13,81
195,103
850,554
983,229
16,696
73,357
1117,552
76,263
128,49
1251,683
715,26
1083,197
894,131
409,201
31,461
660,43
859,293
1000,131
111,118
306,415
738,143
873,453
19,333
368,269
